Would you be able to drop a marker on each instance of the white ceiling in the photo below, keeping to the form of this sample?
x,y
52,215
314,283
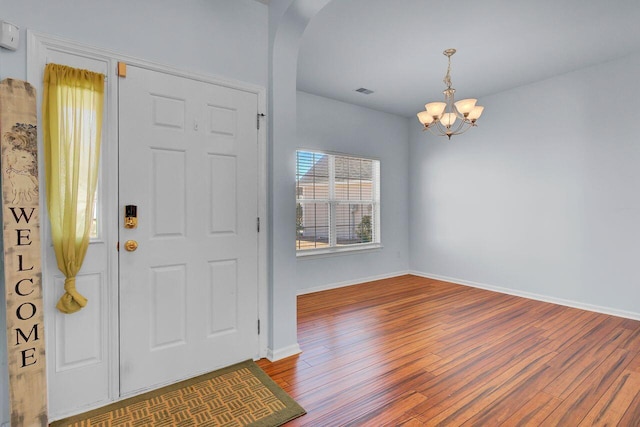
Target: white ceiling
x,y
394,47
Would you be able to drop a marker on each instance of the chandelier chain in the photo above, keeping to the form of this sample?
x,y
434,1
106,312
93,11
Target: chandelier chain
x,y
447,77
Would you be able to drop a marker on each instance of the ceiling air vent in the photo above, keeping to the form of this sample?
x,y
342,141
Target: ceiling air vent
x,y
365,91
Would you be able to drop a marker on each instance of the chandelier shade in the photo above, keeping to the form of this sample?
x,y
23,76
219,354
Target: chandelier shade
x,y
425,118
435,109
475,113
450,117
465,106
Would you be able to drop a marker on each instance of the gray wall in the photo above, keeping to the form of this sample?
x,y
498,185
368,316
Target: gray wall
x,y
325,124
223,38
543,198
214,37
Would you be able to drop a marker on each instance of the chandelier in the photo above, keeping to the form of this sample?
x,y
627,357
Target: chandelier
x,y
450,117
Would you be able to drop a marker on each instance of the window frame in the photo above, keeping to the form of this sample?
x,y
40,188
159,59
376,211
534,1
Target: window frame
x,y
333,202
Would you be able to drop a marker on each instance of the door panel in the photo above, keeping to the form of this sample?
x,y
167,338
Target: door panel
x,y
168,193
189,293
223,189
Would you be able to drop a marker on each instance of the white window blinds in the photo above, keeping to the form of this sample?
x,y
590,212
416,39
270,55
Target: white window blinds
x,y
337,201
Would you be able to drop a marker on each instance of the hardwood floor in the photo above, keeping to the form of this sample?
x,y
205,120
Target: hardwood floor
x,y
410,351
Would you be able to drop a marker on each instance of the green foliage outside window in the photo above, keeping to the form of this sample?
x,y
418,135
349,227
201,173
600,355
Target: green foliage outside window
x,y
364,230
299,224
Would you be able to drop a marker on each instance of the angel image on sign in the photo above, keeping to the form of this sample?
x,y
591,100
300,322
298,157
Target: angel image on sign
x,y
19,162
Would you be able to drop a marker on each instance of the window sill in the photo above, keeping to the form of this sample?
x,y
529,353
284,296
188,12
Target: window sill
x,y
321,253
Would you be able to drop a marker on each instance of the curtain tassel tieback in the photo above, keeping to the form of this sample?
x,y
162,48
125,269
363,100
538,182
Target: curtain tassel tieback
x,y
71,301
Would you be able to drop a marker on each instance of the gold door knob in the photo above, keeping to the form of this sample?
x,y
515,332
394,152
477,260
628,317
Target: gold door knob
x,y
131,245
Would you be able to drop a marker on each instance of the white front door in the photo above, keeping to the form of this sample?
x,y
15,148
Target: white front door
x,y
188,160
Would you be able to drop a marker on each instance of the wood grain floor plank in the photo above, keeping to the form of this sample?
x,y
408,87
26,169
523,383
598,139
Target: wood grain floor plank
x,y
615,402
504,407
576,369
488,355
411,351
468,402
362,398
576,405
632,342
388,414
635,364
534,411
411,422
632,415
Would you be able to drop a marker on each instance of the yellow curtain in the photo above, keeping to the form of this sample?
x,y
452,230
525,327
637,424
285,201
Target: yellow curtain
x,y
72,125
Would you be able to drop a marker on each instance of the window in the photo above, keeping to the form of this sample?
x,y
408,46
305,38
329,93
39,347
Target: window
x,y
337,202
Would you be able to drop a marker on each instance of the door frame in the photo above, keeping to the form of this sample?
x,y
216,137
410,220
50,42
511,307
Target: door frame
x,y
38,45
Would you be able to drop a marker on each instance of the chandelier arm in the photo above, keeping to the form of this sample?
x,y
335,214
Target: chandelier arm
x,y
460,126
459,129
432,131
466,129
438,129
441,128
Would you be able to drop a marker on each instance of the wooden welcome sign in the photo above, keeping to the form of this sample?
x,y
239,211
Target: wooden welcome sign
x,y
22,265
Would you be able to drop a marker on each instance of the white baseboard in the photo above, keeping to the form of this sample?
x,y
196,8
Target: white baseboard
x,y
282,353
538,297
351,282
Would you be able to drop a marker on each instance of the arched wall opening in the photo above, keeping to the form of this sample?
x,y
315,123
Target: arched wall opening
x,y
287,22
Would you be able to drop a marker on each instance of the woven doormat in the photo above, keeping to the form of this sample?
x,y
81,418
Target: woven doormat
x,y
239,395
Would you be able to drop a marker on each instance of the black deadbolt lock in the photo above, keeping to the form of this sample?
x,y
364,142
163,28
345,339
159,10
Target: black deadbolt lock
x,y
130,216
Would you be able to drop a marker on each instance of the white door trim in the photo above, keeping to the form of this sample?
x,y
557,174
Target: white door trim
x,y
38,45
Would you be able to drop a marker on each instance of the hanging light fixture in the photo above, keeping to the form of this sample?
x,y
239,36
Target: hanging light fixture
x,y
450,117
